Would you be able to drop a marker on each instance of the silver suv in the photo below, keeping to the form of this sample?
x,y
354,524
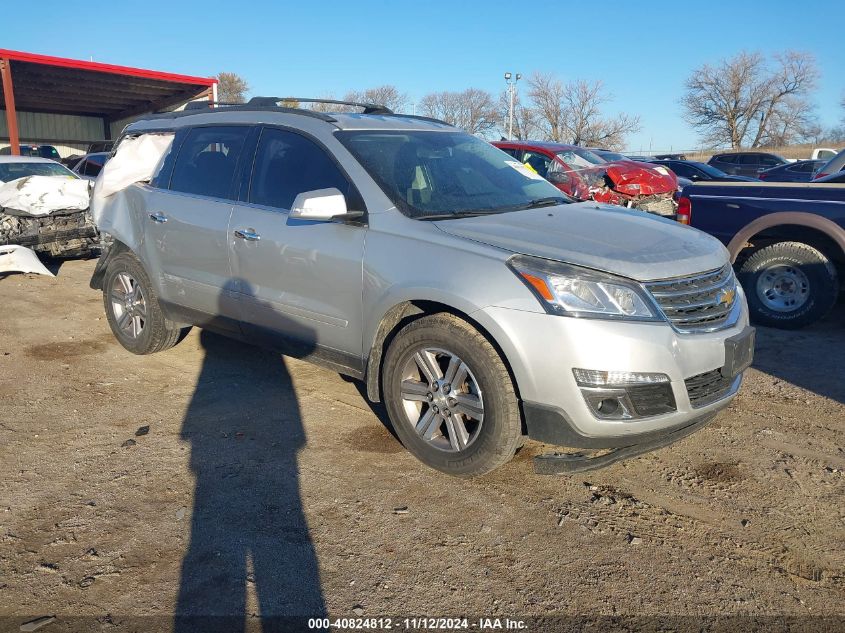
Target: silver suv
x,y
471,296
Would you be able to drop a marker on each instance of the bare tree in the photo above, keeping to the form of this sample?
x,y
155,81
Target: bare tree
x,y
572,112
792,121
472,110
745,100
524,117
231,88
388,96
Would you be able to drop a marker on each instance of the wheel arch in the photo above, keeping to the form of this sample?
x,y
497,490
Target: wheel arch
x,y
110,251
403,313
809,228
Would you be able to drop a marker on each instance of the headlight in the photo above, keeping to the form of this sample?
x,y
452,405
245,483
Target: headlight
x,y
581,292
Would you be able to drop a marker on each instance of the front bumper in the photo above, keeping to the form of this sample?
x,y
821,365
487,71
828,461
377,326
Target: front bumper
x,y
555,463
543,349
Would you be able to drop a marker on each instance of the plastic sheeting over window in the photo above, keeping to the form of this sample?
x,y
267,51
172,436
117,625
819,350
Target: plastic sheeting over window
x,y
135,160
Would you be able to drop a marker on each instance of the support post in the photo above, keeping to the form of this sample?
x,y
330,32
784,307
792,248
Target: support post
x,y
11,114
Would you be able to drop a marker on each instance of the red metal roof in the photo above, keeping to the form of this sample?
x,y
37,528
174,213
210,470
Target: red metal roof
x,y
70,86
79,64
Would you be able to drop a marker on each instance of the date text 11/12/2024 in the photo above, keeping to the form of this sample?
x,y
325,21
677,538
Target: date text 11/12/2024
x,y
431,624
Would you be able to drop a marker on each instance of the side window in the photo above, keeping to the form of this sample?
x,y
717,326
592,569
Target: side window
x,y
727,158
684,171
768,161
749,159
510,150
91,167
538,163
287,164
207,160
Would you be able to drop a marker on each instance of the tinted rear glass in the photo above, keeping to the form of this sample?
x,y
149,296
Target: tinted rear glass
x,y
207,161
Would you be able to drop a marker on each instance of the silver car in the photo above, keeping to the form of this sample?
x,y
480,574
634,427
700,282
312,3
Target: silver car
x,y
471,297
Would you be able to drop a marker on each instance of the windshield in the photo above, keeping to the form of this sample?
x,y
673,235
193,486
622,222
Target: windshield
x,y
580,158
427,174
609,156
13,171
710,170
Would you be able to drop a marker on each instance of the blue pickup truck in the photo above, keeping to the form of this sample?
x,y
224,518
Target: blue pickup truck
x,y
787,242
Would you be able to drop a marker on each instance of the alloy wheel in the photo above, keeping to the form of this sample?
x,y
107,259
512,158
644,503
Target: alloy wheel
x,y
442,399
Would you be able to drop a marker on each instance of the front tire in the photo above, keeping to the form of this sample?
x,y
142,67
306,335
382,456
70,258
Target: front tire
x,y
450,397
132,308
789,285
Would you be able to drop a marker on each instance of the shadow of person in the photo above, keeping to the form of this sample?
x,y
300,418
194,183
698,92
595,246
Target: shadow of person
x,y
247,526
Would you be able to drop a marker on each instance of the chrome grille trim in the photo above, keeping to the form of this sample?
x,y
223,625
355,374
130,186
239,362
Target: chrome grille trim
x,y
691,304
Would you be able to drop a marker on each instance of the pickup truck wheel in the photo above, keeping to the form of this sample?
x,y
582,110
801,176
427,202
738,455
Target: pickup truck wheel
x,y
132,308
789,285
450,397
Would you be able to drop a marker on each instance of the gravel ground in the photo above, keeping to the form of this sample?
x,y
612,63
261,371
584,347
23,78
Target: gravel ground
x,y
219,479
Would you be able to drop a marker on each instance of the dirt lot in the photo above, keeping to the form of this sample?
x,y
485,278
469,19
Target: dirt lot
x,y
266,485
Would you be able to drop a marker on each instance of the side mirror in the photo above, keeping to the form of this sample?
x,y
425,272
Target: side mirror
x,y
322,205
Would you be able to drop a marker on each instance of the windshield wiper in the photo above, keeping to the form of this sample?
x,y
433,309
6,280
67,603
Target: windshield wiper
x,y
544,202
456,214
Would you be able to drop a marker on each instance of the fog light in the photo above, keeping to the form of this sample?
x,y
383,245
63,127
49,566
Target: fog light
x,y
623,395
609,406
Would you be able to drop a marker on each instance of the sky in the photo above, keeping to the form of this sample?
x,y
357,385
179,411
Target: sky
x,y
642,51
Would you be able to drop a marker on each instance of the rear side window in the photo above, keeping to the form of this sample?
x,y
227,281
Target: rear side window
x,y
684,171
804,167
92,166
749,159
287,164
726,158
768,161
207,161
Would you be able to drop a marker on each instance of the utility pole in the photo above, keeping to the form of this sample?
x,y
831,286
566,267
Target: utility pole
x,y
511,96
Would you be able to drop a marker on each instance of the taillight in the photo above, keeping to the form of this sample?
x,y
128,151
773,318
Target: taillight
x,y
820,175
684,213
762,175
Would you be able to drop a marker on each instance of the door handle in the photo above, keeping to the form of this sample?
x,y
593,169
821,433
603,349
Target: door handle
x,y
158,217
246,234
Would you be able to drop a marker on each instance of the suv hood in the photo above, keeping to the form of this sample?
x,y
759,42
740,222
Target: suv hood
x,y
608,238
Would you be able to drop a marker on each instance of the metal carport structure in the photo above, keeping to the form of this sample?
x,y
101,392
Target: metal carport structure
x,y
46,86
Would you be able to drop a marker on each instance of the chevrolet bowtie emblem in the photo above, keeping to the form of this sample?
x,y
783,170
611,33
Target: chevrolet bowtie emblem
x,y
726,296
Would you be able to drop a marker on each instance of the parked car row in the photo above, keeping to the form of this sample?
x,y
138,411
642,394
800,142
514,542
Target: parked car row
x,y
584,174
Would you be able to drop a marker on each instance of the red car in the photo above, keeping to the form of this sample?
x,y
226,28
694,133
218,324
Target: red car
x,y
584,175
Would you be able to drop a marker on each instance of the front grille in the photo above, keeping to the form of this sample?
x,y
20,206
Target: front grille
x,y
698,303
707,388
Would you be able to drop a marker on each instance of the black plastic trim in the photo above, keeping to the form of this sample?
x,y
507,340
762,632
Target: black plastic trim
x,y
556,464
552,426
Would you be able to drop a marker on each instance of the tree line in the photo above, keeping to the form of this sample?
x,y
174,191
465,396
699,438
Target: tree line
x,y
554,110
747,100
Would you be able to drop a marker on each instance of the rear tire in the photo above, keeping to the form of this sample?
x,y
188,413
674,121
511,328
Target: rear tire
x,y
450,397
789,285
132,308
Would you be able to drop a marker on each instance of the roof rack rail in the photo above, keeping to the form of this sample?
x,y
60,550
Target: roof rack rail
x,y
369,108
203,104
